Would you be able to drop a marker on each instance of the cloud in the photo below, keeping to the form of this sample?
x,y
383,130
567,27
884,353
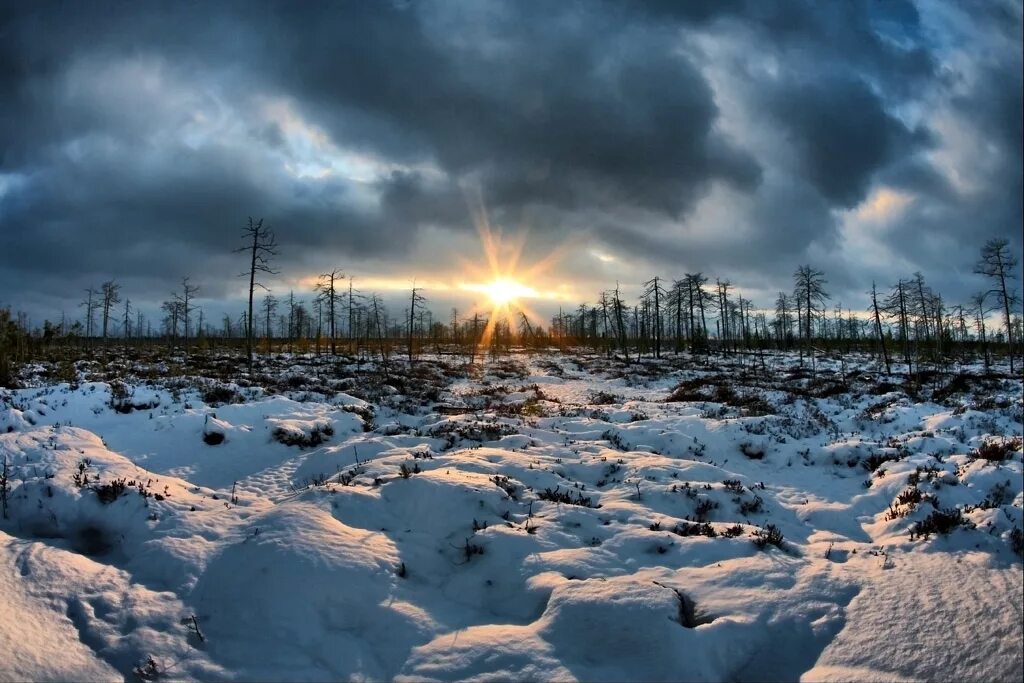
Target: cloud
x,y
739,137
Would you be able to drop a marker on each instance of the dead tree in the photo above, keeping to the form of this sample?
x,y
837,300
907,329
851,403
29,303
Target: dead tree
x,y
269,306
982,309
127,331
328,290
999,265
878,327
90,303
185,302
416,300
618,309
699,297
111,293
809,289
655,293
783,319
261,245
895,306
722,304
352,309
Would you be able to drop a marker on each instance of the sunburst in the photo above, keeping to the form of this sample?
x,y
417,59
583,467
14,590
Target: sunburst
x,y
506,285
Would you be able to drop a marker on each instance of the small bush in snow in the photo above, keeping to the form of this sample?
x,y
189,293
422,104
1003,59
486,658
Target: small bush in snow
x,y
213,438
734,485
939,522
752,451
567,497
148,670
703,508
733,532
81,475
503,483
604,398
405,471
221,394
1017,540
316,436
876,460
471,549
997,451
687,529
767,535
108,493
750,507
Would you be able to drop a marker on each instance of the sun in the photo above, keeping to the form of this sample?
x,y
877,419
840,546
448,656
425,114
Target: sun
x,y
500,279
504,291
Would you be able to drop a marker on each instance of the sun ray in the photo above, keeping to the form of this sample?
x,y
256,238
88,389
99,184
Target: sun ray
x,y
499,279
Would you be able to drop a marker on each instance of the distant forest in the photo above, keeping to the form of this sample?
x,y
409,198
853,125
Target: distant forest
x,y
907,323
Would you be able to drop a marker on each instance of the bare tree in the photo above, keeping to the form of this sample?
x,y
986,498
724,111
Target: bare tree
x,y
783,318
655,293
269,306
878,327
327,289
90,303
261,245
127,331
111,294
416,300
809,289
184,301
981,309
998,264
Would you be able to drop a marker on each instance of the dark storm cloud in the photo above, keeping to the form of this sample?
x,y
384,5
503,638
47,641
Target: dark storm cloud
x,y
843,135
136,137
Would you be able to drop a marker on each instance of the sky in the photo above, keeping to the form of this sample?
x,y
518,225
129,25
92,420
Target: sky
x,y
613,141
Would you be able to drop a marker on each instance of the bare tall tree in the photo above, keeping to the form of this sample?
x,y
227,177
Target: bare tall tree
x,y
655,293
809,289
998,264
127,331
878,327
269,306
90,303
185,302
981,309
261,245
415,301
111,293
328,291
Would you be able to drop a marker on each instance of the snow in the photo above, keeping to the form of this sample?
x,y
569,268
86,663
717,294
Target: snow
x,y
557,521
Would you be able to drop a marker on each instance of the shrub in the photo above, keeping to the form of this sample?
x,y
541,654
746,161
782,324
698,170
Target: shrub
x,y
876,460
567,497
752,451
506,485
997,451
734,485
221,394
405,471
603,398
213,438
316,436
939,522
703,507
911,496
108,493
1017,541
687,529
750,507
767,535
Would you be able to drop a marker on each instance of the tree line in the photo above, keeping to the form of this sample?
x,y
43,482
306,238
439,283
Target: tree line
x,y
907,322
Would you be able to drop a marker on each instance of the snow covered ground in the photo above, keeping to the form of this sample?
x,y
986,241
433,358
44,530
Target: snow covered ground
x,y
549,517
